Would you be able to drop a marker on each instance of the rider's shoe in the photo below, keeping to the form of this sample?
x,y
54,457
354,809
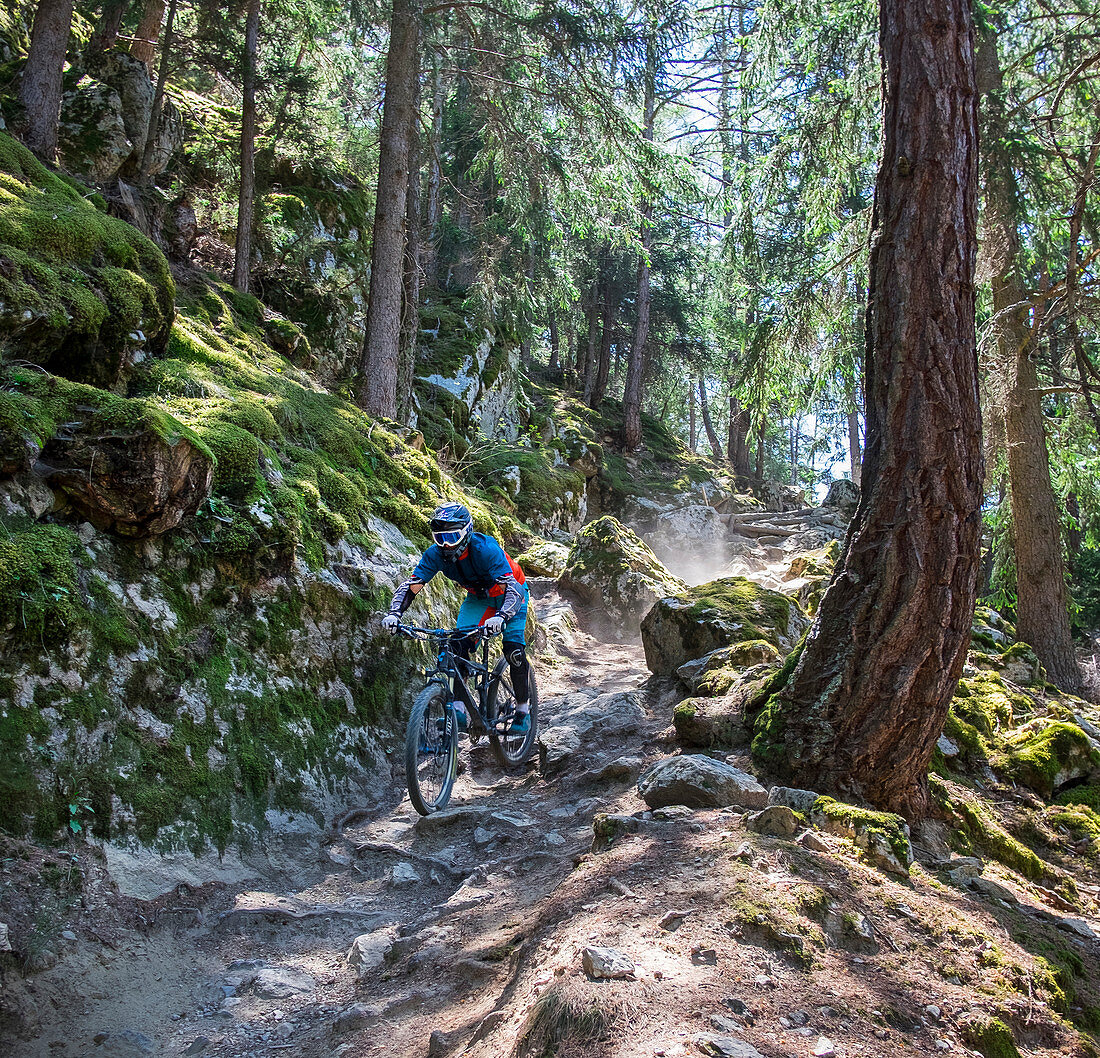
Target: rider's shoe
x,y
520,725
461,720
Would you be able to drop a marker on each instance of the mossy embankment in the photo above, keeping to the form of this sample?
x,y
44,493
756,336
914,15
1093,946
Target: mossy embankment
x,y
187,688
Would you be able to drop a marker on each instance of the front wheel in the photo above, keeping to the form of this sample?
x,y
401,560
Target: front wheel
x,y
510,750
431,750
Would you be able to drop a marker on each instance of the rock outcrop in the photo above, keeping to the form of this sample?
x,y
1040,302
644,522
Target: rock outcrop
x,y
611,570
81,294
696,621
138,478
105,118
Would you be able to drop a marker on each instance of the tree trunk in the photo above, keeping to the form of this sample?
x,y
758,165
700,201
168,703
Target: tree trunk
x,y
555,341
435,176
635,371
867,699
243,259
40,85
410,301
105,35
528,323
796,437
691,420
158,96
855,455
1042,600
381,348
144,46
708,423
761,446
742,465
731,434
607,331
590,348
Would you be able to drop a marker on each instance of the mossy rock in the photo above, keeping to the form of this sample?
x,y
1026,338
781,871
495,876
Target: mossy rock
x,y
976,829
544,559
990,1036
696,621
818,563
883,836
39,591
720,670
125,464
1087,794
82,294
1045,759
983,710
710,722
1076,817
610,568
1021,665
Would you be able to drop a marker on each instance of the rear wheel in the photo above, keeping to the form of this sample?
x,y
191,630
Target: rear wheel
x,y
510,750
431,750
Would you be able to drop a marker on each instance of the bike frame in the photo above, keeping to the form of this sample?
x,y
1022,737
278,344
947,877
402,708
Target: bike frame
x,y
447,671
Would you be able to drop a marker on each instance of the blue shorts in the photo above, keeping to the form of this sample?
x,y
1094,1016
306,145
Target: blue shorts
x,y
475,611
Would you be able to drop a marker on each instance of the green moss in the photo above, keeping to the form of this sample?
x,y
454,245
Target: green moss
x,y
982,832
992,1037
684,711
542,486
38,583
1087,796
986,703
1077,819
882,827
236,458
74,283
763,614
816,563
1039,759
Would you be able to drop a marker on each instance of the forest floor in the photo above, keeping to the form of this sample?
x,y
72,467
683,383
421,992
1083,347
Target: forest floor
x,y
473,923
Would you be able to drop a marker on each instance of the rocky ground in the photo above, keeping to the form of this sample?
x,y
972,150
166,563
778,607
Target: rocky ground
x,y
491,928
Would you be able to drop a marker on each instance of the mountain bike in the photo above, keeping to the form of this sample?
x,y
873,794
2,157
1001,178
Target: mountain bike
x,y
431,737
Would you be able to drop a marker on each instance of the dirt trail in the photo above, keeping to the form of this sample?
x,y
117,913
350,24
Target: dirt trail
x,y
472,924
251,972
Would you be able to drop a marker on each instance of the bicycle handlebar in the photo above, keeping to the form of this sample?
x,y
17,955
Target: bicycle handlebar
x,y
419,632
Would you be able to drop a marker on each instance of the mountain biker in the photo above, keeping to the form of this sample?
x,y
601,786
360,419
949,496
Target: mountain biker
x,y
496,597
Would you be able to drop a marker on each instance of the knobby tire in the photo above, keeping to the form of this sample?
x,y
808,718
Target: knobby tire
x,y
431,757
511,751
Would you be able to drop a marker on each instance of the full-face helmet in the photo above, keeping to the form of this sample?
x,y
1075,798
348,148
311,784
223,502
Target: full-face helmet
x,y
452,525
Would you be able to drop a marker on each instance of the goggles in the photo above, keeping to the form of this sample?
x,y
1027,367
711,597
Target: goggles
x,y
448,537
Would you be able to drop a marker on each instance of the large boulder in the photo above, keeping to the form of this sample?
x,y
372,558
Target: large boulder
x,y
104,123
699,782
775,496
610,568
695,621
544,558
136,478
1045,756
91,135
843,495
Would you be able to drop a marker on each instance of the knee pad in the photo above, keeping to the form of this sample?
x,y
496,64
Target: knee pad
x,y
516,655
